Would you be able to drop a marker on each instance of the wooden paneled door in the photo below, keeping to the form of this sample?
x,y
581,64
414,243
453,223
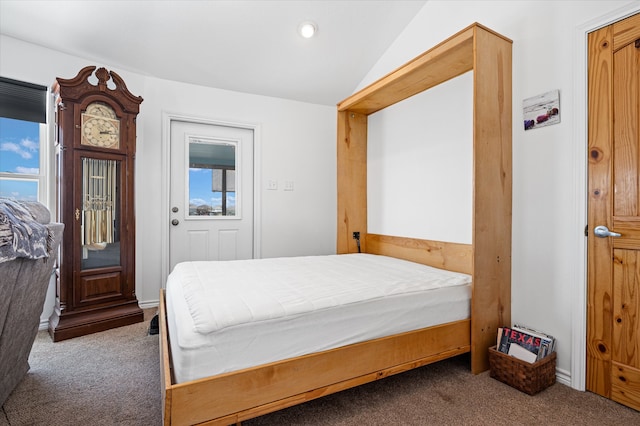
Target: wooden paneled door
x,y
613,294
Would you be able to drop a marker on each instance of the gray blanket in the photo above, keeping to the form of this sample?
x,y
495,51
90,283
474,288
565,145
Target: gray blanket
x,y
20,234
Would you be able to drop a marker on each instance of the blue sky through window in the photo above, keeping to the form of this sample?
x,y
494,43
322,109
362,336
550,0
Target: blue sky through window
x,y
200,188
200,182
19,155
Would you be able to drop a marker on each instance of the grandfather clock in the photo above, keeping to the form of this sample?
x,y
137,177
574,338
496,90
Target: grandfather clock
x,y
95,153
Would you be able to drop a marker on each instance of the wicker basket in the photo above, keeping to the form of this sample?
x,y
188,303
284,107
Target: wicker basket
x,y
526,377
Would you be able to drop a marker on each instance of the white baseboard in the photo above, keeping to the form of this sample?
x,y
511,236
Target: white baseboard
x,y
148,304
563,376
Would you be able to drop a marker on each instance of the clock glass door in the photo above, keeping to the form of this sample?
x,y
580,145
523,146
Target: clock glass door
x,y
100,236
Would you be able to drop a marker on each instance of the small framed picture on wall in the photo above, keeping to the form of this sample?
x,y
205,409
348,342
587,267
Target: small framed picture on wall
x,y
542,110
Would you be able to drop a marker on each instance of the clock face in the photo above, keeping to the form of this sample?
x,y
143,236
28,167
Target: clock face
x,y
100,127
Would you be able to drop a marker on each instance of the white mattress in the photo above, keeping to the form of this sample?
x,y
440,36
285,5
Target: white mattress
x,y
226,316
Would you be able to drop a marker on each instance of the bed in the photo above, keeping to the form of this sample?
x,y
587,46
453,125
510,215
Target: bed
x,y
245,390
228,316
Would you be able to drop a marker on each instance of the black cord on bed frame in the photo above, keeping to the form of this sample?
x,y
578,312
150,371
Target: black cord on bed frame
x,y
356,236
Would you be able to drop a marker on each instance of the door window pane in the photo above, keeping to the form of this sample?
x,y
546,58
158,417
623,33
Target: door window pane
x,y
212,177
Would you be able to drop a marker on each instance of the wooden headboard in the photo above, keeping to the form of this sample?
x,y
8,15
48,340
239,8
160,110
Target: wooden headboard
x,y
488,257
450,256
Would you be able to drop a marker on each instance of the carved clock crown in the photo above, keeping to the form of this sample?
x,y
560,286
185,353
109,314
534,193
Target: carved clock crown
x,y
79,87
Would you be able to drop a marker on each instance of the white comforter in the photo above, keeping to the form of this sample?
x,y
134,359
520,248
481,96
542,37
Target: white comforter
x,y
226,294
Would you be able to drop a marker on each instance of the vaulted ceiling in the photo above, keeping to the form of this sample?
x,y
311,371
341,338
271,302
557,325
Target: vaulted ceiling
x,y
244,46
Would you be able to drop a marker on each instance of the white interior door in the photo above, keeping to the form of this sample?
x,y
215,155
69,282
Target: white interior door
x,y
211,192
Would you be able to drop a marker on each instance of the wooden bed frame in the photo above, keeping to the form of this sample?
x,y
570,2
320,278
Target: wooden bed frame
x,y
233,397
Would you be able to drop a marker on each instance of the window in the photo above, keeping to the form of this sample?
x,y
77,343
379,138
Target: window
x,y
23,136
212,177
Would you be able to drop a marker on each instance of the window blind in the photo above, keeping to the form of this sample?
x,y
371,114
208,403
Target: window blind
x,y
23,101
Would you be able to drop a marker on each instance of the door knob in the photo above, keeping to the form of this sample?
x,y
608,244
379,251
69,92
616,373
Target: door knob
x,y
603,232
175,222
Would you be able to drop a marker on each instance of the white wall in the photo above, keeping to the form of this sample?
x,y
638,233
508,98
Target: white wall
x,y
420,165
545,233
298,143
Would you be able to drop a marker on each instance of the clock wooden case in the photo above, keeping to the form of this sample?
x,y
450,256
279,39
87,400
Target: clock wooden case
x,y
95,152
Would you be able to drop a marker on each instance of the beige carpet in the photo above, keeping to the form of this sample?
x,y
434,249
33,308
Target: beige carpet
x,y
112,378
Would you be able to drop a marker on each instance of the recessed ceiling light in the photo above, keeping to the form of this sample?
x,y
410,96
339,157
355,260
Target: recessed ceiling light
x,y
307,29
